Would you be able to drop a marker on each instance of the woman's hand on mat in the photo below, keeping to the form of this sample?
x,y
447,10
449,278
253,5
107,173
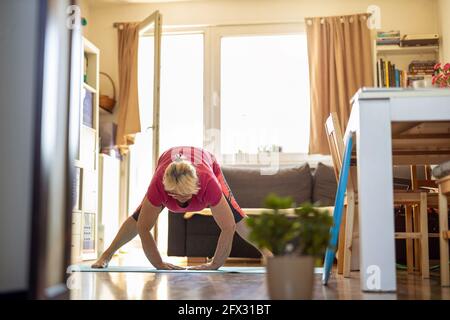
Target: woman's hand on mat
x,y
168,266
207,266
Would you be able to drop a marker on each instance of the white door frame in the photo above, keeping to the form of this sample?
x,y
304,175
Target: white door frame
x,y
153,24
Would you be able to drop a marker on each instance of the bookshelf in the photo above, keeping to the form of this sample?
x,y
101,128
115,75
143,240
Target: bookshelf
x,y
85,210
402,56
395,49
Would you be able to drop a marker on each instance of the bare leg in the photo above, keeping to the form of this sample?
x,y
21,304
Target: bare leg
x,y
243,231
126,233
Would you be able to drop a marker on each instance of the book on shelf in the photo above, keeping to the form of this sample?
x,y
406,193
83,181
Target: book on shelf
x,y
419,40
388,38
389,76
424,67
381,42
388,34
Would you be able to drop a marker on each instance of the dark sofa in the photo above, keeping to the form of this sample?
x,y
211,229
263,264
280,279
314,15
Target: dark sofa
x,y
197,236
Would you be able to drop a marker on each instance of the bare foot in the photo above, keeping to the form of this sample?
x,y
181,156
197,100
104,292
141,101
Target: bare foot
x,y
102,262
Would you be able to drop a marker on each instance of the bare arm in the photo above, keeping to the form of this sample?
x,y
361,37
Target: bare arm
x,y
224,218
146,221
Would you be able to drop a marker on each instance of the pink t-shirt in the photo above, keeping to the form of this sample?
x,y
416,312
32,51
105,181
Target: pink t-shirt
x,y
207,168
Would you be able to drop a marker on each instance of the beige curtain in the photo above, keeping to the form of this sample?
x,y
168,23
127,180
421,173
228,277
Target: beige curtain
x,y
128,120
340,62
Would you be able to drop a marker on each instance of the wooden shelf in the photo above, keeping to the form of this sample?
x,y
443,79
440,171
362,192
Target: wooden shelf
x,y
89,88
402,56
406,50
89,47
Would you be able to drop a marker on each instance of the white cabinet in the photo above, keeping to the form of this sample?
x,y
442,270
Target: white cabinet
x,y
88,147
109,197
76,235
90,191
85,211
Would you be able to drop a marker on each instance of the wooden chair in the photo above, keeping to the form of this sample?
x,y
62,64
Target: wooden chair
x,y
413,253
412,216
444,233
347,232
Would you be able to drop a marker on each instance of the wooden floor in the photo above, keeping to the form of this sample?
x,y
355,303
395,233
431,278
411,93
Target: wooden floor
x,y
210,286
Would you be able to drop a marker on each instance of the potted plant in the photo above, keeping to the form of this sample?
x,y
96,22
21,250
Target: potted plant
x,y
297,237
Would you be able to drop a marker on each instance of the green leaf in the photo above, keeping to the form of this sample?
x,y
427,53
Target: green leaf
x,y
308,230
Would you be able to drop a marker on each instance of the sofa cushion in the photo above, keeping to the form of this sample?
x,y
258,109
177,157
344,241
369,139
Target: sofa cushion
x,y
250,188
202,234
325,185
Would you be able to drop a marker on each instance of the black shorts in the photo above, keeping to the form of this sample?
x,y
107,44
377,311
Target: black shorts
x,y
238,213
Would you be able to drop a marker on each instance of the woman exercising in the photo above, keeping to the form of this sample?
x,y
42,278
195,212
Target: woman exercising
x,y
186,179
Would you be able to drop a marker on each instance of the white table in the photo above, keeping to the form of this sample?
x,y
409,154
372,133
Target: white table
x,y
373,111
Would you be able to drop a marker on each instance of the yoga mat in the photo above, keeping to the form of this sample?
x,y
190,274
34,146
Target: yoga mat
x,y
246,270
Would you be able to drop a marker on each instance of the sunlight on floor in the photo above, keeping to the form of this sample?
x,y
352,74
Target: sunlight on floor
x,y
133,255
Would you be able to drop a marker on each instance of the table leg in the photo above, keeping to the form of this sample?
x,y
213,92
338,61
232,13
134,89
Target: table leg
x,y
374,152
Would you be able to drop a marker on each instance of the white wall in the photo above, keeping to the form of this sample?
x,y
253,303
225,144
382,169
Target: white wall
x,y
444,28
409,16
85,13
18,34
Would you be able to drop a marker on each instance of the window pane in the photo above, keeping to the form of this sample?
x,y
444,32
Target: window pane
x,y
181,91
264,93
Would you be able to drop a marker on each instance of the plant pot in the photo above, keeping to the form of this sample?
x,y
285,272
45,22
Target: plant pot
x,y
290,277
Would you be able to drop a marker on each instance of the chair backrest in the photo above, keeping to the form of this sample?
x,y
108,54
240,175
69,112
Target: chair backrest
x,y
335,139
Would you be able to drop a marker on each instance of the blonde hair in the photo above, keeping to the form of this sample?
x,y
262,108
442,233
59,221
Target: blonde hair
x,y
181,178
